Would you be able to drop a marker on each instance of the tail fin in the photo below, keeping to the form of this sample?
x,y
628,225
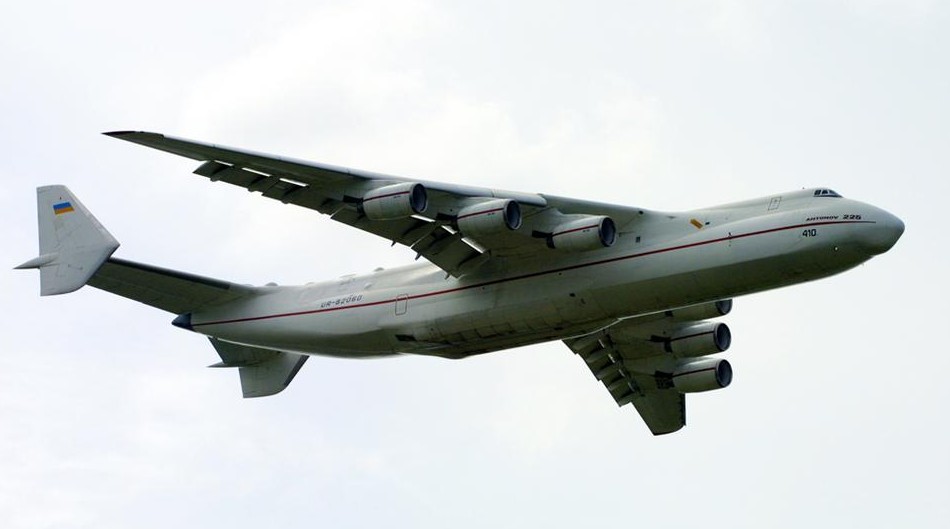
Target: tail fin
x,y
73,245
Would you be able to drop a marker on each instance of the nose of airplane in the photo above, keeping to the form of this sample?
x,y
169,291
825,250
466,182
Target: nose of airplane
x,y
886,233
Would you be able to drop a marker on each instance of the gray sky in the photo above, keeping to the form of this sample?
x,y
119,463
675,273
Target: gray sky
x,y
837,413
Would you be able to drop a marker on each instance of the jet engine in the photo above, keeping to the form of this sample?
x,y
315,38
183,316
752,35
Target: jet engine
x,y
704,338
581,235
395,201
703,311
705,374
489,217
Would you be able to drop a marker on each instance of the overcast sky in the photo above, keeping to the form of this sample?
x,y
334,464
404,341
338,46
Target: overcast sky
x,y
837,414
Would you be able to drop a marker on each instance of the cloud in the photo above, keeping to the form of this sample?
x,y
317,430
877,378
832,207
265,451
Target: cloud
x,y
349,83
321,76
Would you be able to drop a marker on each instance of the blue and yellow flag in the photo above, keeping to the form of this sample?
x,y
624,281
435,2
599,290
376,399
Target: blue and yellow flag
x,y
62,207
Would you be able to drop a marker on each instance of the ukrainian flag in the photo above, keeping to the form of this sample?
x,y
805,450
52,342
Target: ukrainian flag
x,y
62,207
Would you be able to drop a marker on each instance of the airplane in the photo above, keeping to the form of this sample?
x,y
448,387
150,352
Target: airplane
x,y
634,293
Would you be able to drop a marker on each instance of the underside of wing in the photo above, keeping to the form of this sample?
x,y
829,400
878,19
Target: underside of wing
x,y
653,361
663,411
455,227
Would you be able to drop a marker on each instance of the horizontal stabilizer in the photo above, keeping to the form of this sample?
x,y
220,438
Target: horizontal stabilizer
x,y
73,244
263,371
171,290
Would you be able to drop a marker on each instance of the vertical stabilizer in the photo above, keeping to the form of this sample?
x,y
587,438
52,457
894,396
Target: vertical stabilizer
x,y
73,244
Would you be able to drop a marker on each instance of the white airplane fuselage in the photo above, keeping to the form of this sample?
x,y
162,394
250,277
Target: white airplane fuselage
x,y
636,294
665,262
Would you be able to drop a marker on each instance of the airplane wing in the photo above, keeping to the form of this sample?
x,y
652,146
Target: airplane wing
x,y
663,410
634,360
455,227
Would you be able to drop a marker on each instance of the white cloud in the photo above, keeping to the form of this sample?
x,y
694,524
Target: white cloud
x,y
890,11
741,25
329,72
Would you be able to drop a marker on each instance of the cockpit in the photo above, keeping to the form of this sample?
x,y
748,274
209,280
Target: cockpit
x,y
826,193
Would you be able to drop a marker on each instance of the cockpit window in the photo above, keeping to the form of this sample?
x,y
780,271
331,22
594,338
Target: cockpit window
x,y
826,193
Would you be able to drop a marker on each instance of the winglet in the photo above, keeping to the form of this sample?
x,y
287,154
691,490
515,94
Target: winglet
x,y
73,244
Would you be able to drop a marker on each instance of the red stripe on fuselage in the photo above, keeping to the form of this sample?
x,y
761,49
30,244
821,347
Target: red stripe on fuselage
x,y
535,274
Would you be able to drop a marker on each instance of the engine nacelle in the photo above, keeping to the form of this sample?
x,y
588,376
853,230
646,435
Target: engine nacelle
x,y
705,374
491,216
395,201
581,235
704,338
703,311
